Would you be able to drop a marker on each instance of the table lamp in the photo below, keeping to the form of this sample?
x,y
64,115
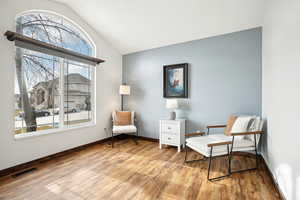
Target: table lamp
x,y
172,104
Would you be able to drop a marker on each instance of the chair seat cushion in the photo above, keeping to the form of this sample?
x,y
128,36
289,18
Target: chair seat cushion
x,y
200,144
124,129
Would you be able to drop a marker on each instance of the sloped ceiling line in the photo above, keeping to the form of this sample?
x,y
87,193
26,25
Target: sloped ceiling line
x,y
137,25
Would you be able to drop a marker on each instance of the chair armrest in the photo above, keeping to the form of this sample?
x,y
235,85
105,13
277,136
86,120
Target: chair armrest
x,y
216,126
194,134
219,143
247,133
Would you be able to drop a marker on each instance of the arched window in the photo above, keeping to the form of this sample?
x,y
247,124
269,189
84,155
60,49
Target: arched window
x,y
52,92
55,30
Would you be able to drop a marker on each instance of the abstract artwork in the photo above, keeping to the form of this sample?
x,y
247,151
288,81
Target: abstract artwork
x,y
176,81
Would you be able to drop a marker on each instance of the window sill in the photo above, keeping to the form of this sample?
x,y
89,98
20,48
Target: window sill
x,y
52,131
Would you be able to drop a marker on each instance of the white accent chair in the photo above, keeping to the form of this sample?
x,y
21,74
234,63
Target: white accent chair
x,y
222,145
124,129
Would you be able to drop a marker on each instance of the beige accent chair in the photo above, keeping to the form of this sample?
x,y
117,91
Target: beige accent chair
x,y
128,129
225,145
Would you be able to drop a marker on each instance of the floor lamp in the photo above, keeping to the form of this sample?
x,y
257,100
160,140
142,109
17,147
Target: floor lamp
x,y
124,90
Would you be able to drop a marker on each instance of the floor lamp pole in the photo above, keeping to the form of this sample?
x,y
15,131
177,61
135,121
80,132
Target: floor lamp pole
x,y
121,102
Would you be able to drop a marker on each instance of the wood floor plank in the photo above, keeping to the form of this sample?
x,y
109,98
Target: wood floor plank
x,y
142,171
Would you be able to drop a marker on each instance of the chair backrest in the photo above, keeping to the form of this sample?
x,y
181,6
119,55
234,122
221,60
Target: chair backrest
x,y
245,124
132,116
238,124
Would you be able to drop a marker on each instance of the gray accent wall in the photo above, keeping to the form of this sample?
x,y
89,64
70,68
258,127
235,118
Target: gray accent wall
x,y
225,77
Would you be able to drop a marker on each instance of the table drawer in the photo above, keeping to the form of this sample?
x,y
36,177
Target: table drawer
x,y
170,128
169,138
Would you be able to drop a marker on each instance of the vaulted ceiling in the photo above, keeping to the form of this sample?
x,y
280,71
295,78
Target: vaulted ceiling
x,y
135,25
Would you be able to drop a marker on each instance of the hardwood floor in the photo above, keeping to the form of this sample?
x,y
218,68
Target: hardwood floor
x,y
131,171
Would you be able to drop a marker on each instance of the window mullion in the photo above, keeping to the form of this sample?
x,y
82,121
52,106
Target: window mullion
x,y
61,89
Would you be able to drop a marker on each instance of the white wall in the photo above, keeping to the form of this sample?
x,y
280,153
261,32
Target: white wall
x,y
13,152
281,93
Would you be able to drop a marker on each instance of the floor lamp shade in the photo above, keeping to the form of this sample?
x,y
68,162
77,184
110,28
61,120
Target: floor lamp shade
x,y
124,90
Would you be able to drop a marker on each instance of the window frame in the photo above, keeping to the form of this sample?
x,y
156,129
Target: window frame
x,y
62,127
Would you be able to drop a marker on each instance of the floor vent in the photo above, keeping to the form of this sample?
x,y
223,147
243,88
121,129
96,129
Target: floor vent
x,y
26,171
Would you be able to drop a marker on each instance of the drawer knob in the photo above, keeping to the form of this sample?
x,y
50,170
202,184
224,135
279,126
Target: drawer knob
x,y
169,128
169,138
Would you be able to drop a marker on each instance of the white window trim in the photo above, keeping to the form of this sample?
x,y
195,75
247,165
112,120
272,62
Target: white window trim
x,y
53,131
62,127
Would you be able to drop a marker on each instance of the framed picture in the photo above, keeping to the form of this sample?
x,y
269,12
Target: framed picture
x,y
176,81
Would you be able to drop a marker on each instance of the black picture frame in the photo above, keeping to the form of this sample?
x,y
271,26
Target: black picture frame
x,y
168,90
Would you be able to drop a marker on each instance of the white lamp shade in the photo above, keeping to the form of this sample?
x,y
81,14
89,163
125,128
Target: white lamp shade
x,y
125,89
172,104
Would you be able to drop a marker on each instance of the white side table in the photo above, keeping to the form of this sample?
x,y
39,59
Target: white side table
x,y
172,132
